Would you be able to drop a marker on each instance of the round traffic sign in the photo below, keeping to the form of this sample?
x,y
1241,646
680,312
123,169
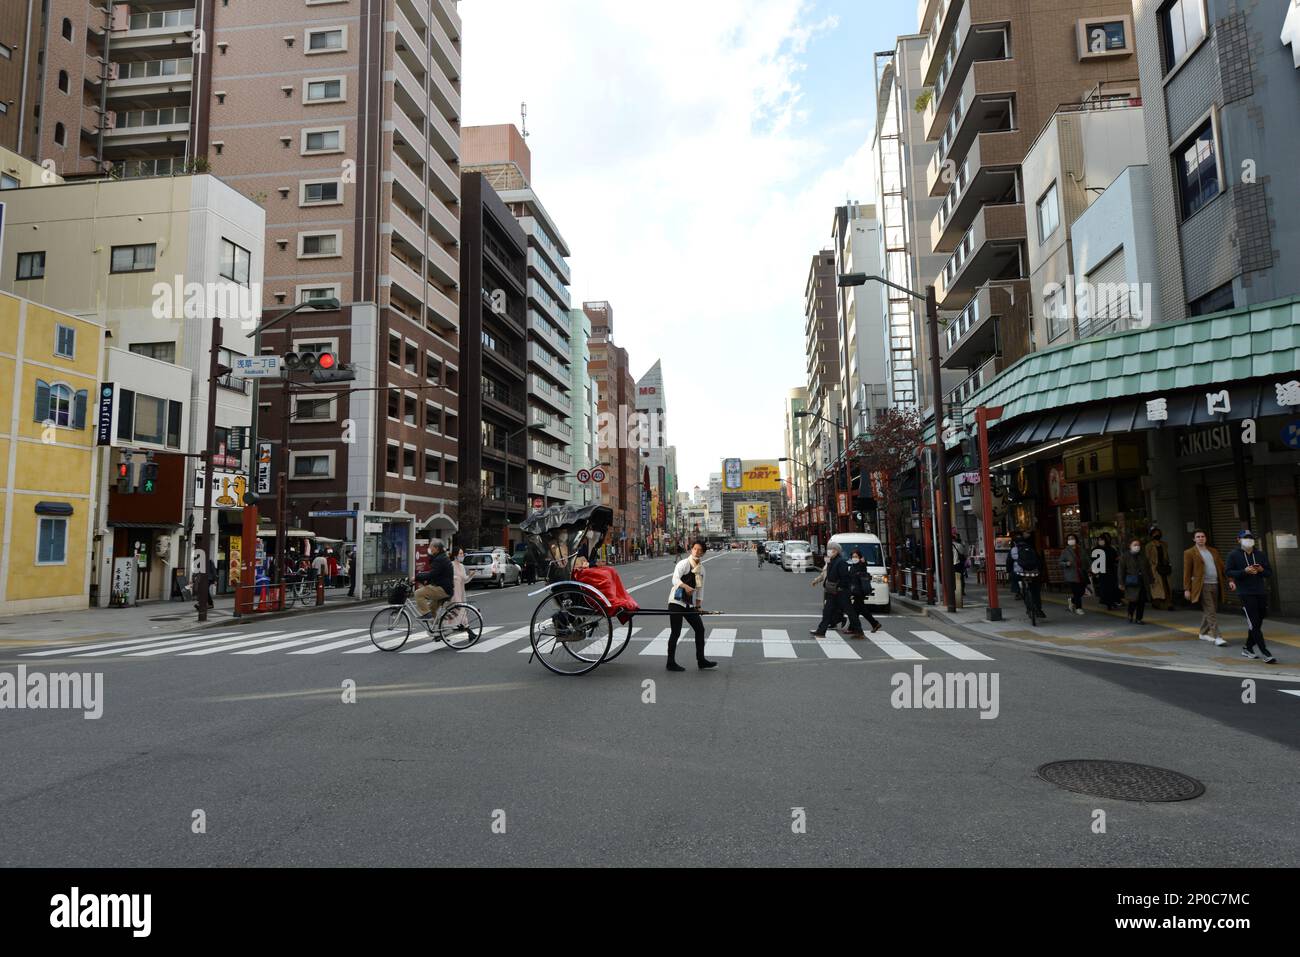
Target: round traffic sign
x,y
598,475
584,475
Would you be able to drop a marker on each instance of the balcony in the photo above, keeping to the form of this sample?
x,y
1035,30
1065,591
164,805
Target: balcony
x,y
444,222
410,181
550,454
503,399
445,53
444,138
976,185
410,34
973,335
495,447
557,487
979,31
990,249
135,127
495,496
549,334
444,181
407,227
507,356
977,380
151,78
939,23
401,274
551,425
547,394
442,264
444,11
538,295
162,28
442,314
444,94
986,104
560,373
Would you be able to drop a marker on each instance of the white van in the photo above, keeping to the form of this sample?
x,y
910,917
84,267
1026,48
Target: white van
x,y
874,555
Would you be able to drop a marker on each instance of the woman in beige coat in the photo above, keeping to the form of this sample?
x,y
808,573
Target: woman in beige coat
x,y
1157,553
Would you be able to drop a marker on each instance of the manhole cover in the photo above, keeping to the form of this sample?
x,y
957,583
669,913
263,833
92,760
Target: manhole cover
x,y
1121,781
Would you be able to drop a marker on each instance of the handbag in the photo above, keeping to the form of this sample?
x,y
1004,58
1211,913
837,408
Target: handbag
x,y
1132,580
830,588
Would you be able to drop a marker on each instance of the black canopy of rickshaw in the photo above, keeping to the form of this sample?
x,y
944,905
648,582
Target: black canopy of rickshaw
x,y
597,518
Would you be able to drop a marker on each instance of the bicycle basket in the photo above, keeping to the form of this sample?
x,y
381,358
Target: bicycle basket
x,y
399,594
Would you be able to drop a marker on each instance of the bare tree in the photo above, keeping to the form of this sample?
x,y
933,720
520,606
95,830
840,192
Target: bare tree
x,y
889,450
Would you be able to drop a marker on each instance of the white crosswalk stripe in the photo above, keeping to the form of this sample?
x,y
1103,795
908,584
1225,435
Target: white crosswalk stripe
x,y
296,639
720,643
225,636
836,647
363,638
658,645
777,644
122,644
500,641
213,644
895,648
954,648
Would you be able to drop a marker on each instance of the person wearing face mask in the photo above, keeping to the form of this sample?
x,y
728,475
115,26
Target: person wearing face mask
x,y
1137,576
1106,558
860,588
687,593
459,578
1203,581
1248,569
1074,573
1157,553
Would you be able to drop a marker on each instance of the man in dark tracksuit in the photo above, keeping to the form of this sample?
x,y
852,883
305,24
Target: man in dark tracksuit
x,y
1247,567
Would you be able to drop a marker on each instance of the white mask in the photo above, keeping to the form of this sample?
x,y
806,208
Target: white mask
x,y
1135,549
1247,543
1072,542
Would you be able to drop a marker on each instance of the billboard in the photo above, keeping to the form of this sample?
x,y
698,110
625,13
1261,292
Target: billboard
x,y
751,519
733,474
760,475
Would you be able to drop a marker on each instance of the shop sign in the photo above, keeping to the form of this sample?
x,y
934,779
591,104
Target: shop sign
x,y
1106,460
1059,491
1215,438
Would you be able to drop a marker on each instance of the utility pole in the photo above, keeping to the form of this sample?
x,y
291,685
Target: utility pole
x,y
282,485
942,519
209,478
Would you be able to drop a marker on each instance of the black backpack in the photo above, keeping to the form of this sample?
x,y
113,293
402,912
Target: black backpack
x,y
1027,558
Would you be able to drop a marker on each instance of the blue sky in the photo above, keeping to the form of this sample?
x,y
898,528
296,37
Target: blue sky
x,y
692,154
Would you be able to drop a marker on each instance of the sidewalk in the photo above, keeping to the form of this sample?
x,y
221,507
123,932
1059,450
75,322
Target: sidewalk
x,y
159,617
1167,640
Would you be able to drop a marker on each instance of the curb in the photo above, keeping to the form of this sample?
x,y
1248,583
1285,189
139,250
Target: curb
x,y
931,611
227,621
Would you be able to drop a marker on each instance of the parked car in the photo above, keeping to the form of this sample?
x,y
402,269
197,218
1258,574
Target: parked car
x,y
796,556
492,568
774,550
874,555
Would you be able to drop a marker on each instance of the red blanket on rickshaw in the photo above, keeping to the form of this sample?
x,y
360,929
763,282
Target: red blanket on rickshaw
x,y
606,581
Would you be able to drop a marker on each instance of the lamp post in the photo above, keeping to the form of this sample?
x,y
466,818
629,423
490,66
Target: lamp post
x,y
807,479
837,425
932,317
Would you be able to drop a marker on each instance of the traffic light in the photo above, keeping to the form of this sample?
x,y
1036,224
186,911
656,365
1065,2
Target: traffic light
x,y
149,478
304,361
968,453
329,369
125,478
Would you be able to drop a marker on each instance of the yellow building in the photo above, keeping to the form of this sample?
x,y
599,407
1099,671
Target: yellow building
x,y
49,375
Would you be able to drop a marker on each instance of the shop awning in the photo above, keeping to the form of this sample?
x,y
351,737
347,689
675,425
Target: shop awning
x,y
161,526
53,508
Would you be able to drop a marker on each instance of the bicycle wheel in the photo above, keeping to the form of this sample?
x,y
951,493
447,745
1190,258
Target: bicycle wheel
x,y
459,626
390,628
570,633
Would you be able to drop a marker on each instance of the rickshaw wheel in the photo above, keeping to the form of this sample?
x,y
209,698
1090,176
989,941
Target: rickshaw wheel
x,y
619,645
570,632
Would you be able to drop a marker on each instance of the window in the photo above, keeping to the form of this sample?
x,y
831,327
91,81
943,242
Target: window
x,y
1056,310
65,341
60,135
7,181
432,368
150,419
390,463
231,381
144,418
309,293
331,40
320,193
432,418
313,408
322,141
319,245
31,265
1049,214
4,108
60,405
63,81
1197,169
1215,301
162,351
67,29
394,405
394,350
134,258
432,468
235,261
330,90
408,463
52,541
312,465
412,364
1182,24
410,413
6,52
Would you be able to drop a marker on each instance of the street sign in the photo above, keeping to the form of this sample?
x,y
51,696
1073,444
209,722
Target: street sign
x,y
104,423
263,468
584,475
256,367
237,439
336,514
598,475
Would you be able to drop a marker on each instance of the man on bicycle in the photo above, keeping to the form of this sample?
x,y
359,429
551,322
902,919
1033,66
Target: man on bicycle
x,y
437,582
759,550
1027,566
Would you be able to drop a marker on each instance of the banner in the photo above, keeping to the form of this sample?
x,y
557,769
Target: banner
x,y
234,551
761,475
751,517
104,421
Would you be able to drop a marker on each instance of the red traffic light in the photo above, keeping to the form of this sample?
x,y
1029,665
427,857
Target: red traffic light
x,y
326,360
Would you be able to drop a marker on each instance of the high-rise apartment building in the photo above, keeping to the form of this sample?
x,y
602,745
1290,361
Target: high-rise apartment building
x,y
352,144
856,241
493,417
797,476
585,411
502,156
822,338
651,404
994,73
617,403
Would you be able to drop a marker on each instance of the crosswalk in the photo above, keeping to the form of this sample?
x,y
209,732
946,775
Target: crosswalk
x,y
776,644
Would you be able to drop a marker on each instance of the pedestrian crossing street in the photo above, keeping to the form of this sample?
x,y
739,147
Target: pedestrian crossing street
x,y
769,643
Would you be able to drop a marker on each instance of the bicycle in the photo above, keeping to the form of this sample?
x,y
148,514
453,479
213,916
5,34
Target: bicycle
x,y
300,591
1028,589
458,625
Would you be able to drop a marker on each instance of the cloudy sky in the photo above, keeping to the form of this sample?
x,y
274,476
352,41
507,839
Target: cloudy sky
x,y
692,153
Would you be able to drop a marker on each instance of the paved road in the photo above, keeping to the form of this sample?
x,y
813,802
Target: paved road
x,y
442,750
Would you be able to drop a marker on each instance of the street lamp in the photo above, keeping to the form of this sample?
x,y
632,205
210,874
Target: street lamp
x,y
214,373
932,320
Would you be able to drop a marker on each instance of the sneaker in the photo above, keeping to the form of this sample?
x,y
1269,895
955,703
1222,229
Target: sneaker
x,y
817,634
875,628
705,664
1249,653
1267,658
1206,637
1219,642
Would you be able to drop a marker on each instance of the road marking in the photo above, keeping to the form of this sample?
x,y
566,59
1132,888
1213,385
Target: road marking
x,y
776,644
415,646
313,637
836,647
213,645
372,691
658,645
500,641
720,643
616,639
895,648
224,635
69,649
1287,691
954,648
263,638
318,649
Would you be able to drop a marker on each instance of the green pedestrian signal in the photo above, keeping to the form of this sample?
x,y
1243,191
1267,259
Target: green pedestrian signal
x,y
149,478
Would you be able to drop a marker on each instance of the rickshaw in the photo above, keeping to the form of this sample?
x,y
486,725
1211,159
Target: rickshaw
x,y
572,628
